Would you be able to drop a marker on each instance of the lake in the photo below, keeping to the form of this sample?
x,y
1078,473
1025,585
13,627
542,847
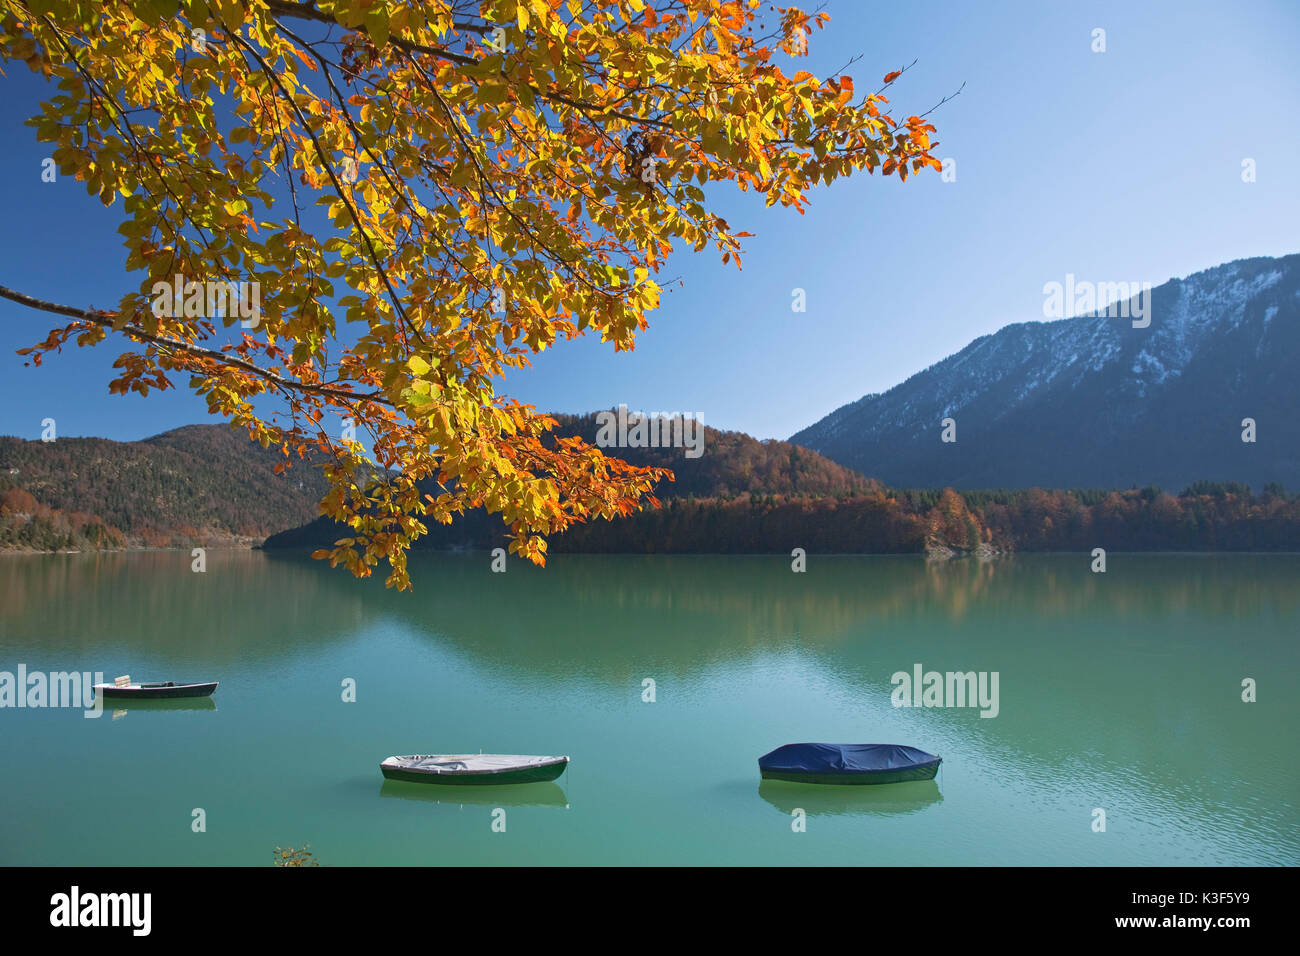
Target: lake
x,y
1119,692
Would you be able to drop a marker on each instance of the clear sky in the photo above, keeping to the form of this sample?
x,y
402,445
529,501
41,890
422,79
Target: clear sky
x,y
1116,166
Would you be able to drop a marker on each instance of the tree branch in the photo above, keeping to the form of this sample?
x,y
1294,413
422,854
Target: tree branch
x,y
104,319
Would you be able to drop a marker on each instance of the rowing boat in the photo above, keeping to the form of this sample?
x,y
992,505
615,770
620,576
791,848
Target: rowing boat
x,y
848,763
483,769
155,691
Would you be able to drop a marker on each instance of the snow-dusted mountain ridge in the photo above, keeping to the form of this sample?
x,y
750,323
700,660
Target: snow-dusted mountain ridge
x,y
1094,402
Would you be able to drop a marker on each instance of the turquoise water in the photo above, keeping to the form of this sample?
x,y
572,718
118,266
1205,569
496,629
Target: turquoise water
x,y
1119,691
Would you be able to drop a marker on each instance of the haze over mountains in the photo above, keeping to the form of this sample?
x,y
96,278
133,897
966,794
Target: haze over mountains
x,y
1092,402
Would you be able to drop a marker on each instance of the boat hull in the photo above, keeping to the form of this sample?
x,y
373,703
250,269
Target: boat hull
x,y
500,778
146,692
857,777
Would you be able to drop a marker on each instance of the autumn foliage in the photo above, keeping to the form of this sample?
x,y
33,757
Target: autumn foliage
x,y
426,194
883,521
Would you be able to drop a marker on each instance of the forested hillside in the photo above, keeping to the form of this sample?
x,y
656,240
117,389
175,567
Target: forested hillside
x,y
1205,517
209,483
732,463
206,484
190,485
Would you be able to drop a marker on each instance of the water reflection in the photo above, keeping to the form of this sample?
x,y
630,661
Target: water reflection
x,y
833,800
151,607
690,614
193,704
687,614
1152,650
1122,689
523,795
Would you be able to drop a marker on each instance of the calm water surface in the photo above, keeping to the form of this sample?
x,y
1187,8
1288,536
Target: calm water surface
x,y
1119,691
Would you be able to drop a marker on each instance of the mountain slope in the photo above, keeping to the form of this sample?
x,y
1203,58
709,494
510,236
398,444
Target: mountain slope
x,y
210,484
733,464
1093,402
189,484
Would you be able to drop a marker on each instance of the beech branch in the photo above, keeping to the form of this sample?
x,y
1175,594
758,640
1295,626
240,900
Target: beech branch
x,y
105,319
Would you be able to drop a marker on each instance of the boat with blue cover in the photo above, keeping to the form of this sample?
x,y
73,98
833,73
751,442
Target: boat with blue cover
x,y
848,763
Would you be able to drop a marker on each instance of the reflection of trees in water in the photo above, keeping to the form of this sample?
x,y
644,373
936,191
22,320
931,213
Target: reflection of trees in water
x,y
152,603
601,615
1141,584
592,614
1078,683
1134,673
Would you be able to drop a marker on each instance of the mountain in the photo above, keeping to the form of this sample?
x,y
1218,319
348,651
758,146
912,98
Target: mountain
x,y
1092,402
197,484
732,464
1088,402
208,484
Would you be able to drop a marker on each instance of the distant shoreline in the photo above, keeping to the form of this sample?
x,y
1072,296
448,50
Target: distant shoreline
x,y
134,550
998,555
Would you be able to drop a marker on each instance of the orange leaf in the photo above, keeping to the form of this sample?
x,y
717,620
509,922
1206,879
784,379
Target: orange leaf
x,y
846,89
309,64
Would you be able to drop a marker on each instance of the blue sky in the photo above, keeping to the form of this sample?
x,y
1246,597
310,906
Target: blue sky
x,y
1115,166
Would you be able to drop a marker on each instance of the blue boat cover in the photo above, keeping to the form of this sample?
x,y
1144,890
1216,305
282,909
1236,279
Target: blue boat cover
x,y
843,758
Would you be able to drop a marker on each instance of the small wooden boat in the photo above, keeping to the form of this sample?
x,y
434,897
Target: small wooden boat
x,y
848,763
156,691
492,770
